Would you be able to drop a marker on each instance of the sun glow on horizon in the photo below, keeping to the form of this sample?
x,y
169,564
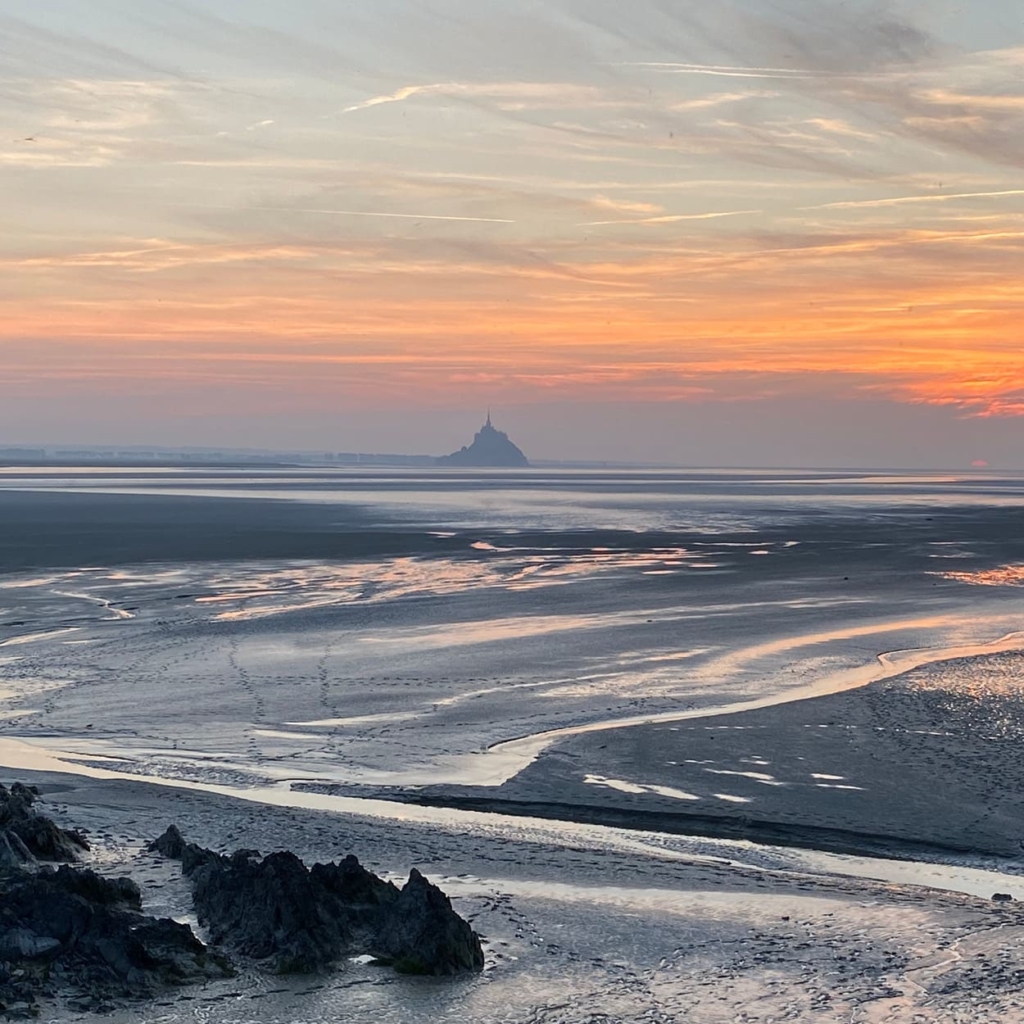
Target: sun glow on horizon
x,y
595,220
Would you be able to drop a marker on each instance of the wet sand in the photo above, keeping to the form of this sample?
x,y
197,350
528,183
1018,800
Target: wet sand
x,y
586,925
400,666
253,641
575,934
921,764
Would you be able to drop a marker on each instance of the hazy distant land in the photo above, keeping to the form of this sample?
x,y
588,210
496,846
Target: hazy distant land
x,y
490,448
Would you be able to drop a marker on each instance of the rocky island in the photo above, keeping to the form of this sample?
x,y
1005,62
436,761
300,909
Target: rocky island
x,y
491,448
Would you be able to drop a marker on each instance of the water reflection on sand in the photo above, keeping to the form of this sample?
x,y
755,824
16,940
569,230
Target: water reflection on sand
x,y
449,628
998,576
254,592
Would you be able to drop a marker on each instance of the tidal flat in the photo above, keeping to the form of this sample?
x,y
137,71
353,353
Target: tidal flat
x,y
697,747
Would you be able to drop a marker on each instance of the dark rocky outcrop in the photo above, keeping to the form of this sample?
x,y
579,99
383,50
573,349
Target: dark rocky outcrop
x,y
267,909
298,919
27,836
73,933
421,934
171,844
71,930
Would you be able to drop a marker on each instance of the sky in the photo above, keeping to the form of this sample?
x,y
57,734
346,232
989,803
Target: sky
x,y
749,232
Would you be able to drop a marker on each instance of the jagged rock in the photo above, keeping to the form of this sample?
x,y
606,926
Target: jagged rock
x,y
171,844
19,848
94,888
29,833
421,933
194,856
23,944
14,854
266,909
85,931
360,892
302,920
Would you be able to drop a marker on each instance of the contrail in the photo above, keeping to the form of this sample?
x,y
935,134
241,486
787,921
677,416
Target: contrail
x,y
914,199
346,213
671,218
724,70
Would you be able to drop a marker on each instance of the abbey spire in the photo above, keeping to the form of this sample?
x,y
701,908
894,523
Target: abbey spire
x,y
490,448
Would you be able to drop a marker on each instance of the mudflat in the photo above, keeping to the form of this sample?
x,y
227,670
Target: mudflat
x,y
586,700
927,762
603,924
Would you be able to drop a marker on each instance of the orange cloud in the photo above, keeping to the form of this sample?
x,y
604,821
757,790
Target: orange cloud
x,y
879,309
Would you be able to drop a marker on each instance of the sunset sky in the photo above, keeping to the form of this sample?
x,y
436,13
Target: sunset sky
x,y
741,232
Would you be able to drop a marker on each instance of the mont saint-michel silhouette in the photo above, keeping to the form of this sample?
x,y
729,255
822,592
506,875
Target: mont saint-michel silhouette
x,y
490,448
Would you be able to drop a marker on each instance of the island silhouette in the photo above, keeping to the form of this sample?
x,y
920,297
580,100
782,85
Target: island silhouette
x,y
490,448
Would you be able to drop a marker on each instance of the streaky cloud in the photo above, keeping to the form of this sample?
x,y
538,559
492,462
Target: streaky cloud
x,y
351,213
674,218
395,97
723,70
943,197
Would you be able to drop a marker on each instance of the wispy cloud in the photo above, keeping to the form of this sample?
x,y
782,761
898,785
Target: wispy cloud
x,y
329,211
159,254
674,218
510,96
719,99
40,152
265,212
938,197
398,96
837,126
978,101
624,205
724,70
